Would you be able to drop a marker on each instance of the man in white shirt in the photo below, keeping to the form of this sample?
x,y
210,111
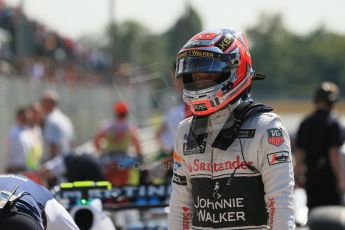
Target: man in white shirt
x,y
18,144
58,130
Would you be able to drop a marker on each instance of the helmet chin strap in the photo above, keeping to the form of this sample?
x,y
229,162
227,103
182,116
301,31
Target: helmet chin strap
x,y
242,109
232,126
198,128
197,132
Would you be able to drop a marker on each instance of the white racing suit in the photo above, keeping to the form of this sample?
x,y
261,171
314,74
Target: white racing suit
x,y
255,199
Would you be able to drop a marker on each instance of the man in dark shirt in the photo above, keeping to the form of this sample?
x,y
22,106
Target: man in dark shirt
x,y
73,166
319,139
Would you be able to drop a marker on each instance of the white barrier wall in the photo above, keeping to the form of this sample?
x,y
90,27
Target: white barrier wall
x,y
87,106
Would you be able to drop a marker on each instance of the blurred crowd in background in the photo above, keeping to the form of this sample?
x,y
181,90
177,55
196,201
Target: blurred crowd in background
x,y
30,49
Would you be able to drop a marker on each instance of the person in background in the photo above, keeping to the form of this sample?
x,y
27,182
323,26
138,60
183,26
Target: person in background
x,y
18,144
25,205
34,121
38,115
317,155
113,143
58,132
72,167
119,134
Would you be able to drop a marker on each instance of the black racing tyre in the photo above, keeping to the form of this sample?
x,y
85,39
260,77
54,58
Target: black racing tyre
x,y
327,217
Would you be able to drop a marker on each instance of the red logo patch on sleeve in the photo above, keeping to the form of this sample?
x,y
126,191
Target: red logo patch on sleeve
x,y
275,137
278,157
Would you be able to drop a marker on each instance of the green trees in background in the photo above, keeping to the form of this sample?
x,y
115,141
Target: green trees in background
x,y
294,63
130,42
185,27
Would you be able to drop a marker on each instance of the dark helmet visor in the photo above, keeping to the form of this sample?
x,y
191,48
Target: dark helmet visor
x,y
203,82
189,65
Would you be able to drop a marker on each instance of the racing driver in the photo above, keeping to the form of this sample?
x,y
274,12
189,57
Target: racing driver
x,y
232,158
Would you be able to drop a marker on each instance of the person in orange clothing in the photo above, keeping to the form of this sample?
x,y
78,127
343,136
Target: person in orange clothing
x,y
113,143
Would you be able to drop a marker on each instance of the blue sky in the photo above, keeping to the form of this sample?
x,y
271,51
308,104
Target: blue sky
x,y
74,18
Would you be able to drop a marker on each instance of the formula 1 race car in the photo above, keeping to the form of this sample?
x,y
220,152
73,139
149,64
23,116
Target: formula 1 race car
x,y
98,205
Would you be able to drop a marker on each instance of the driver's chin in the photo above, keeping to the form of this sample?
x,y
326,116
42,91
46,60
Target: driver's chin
x,y
203,84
